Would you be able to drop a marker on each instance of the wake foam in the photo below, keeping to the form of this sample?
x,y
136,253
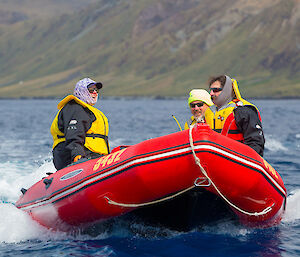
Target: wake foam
x,y
292,212
16,225
274,145
15,176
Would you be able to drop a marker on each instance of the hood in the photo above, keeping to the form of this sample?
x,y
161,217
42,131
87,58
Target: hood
x,y
226,94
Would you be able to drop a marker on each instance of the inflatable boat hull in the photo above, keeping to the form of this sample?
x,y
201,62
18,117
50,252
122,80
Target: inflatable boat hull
x,y
156,171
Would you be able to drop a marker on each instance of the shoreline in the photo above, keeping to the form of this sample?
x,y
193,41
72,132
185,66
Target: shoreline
x,y
145,97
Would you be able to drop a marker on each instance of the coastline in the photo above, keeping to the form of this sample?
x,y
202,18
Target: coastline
x,y
146,97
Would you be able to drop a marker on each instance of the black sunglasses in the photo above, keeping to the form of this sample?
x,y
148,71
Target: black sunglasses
x,y
216,89
196,104
92,89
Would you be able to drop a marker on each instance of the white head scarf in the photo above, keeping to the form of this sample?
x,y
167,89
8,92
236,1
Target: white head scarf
x,y
81,90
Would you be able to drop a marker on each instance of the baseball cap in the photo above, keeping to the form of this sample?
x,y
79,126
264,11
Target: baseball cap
x,y
87,82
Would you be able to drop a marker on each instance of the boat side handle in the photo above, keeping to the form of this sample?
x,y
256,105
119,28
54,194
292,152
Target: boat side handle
x,y
47,182
199,182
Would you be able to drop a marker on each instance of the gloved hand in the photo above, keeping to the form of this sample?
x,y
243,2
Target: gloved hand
x,y
77,158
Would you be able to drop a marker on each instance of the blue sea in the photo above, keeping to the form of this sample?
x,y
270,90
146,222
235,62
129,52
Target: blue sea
x,y
25,157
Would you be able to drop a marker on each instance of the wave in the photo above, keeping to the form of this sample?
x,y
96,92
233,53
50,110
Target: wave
x,y
16,175
292,212
16,225
274,145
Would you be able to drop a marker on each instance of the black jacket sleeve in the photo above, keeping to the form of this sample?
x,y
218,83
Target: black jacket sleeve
x,y
247,121
75,120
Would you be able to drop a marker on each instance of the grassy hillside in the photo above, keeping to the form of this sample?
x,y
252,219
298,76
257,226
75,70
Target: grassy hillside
x,y
15,10
155,48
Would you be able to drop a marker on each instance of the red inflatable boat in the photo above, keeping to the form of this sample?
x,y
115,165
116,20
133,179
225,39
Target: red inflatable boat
x,y
155,173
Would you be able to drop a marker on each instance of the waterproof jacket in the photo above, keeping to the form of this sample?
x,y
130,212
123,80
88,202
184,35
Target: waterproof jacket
x,y
239,120
80,128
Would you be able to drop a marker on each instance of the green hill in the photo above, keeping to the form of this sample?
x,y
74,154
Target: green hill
x,y
152,48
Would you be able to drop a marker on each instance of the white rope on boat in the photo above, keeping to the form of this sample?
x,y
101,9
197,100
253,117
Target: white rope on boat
x,y
197,160
135,205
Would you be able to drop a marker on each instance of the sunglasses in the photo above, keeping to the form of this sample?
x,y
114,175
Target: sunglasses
x,y
92,89
216,89
196,104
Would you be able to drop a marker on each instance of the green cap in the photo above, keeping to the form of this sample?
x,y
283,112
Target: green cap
x,y
200,95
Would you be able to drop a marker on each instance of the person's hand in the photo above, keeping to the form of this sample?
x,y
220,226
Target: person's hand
x,y
77,158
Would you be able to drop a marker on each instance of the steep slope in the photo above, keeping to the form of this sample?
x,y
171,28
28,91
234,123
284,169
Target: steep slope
x,y
160,48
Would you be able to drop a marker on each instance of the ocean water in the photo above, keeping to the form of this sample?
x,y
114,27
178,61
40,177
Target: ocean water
x,y
25,157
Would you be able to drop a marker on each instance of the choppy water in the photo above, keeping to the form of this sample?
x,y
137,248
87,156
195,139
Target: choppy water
x,y
25,156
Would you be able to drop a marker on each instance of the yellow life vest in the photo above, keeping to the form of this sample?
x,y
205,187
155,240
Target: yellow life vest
x,y
96,137
190,122
216,119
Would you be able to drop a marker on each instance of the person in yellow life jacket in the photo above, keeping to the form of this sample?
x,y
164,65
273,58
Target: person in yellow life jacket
x,y
79,130
199,100
233,116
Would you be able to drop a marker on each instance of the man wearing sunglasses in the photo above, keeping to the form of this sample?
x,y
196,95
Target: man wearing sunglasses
x,y
199,100
233,116
79,129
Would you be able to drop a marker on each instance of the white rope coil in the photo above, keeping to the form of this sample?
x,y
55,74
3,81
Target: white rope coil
x,y
197,160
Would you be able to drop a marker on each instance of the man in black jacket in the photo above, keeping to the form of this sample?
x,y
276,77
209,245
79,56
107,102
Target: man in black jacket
x,y
79,130
233,116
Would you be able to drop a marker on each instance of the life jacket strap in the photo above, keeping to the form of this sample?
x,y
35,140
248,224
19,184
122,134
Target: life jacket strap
x,y
97,135
90,135
100,136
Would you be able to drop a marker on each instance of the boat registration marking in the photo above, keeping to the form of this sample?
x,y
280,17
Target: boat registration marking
x,y
108,159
